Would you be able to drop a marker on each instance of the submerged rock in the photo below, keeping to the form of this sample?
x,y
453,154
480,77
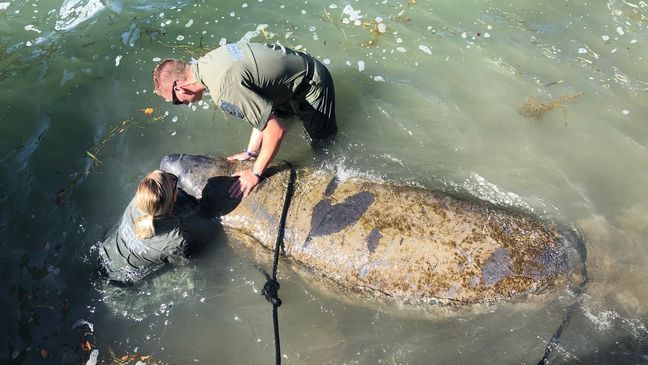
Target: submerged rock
x,y
402,243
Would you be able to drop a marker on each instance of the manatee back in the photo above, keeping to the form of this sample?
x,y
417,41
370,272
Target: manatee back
x,y
410,244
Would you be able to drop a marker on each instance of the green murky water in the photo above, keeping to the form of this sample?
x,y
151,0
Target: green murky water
x,y
429,92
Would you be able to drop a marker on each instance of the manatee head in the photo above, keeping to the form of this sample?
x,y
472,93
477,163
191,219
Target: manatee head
x,y
194,172
207,179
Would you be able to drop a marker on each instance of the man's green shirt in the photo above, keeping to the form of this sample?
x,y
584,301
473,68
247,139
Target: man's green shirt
x,y
248,80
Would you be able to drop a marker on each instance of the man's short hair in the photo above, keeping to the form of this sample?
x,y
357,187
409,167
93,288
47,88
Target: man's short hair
x,y
168,71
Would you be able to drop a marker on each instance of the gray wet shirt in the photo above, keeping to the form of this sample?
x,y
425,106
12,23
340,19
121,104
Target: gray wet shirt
x,y
128,259
247,80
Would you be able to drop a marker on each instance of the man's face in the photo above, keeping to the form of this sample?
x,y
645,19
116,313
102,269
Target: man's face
x,y
183,94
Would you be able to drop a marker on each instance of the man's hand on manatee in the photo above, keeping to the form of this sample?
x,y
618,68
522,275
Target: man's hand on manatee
x,y
247,180
243,156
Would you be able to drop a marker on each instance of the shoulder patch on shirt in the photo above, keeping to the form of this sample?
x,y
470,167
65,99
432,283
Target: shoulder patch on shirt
x,y
235,51
231,109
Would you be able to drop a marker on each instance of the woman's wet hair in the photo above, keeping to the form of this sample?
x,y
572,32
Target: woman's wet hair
x,y
154,198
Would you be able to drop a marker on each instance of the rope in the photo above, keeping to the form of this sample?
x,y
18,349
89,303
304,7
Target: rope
x,y
553,342
271,287
580,289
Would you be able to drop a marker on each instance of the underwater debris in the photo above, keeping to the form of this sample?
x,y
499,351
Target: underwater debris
x,y
131,359
193,51
201,50
119,128
93,154
403,15
376,27
536,108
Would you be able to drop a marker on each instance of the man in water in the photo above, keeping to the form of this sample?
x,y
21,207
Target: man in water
x,y
258,83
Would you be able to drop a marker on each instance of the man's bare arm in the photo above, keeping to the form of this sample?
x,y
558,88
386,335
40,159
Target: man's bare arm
x,y
271,138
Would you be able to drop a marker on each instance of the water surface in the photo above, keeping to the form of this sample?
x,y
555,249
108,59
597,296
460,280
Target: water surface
x,y
435,100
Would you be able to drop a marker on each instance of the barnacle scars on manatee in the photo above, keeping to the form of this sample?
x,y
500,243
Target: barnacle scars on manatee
x,y
400,243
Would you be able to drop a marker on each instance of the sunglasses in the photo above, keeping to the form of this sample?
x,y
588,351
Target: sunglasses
x,y
175,181
174,97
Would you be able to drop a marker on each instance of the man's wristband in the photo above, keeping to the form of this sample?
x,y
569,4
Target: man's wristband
x,y
255,174
251,154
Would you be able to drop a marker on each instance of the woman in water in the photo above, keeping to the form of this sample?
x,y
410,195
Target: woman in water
x,y
149,235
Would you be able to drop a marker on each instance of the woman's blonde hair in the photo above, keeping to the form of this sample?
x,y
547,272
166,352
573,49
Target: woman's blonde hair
x,y
154,198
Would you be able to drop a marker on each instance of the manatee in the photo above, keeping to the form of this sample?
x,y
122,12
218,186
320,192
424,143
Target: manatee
x,y
396,242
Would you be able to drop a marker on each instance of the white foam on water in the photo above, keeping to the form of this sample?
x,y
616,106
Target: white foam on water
x,y
343,172
361,66
32,28
75,12
189,23
4,6
249,35
485,190
352,13
603,320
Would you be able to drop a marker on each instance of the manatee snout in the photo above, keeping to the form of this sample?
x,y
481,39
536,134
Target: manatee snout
x,y
171,163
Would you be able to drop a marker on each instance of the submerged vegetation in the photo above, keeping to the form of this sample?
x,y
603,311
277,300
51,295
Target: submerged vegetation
x,y
132,359
536,108
116,129
376,27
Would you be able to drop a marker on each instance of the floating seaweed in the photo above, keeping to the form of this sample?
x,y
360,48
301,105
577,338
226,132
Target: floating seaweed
x,y
117,128
536,108
376,27
403,15
327,15
132,359
193,51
